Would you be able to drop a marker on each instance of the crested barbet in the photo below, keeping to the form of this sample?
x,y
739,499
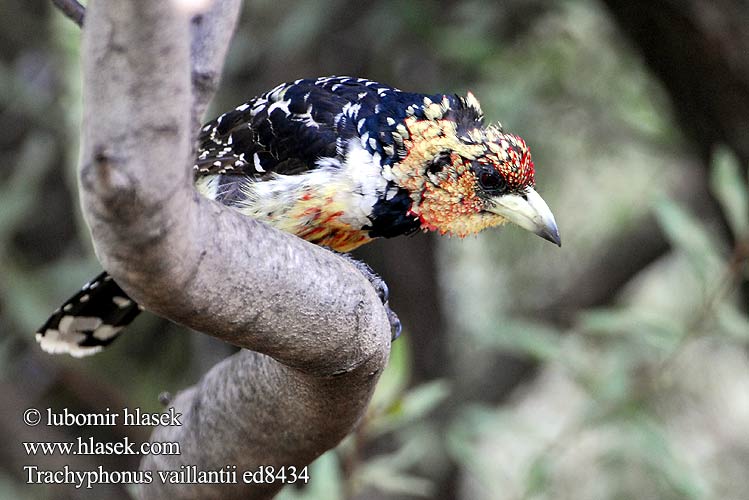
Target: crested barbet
x,y
340,161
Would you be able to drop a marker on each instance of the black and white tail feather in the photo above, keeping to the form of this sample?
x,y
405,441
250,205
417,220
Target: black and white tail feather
x,y
90,320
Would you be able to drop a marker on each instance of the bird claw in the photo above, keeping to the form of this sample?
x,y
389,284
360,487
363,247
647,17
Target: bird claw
x,y
395,323
383,292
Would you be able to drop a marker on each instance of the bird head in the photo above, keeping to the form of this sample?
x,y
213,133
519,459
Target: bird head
x,y
464,177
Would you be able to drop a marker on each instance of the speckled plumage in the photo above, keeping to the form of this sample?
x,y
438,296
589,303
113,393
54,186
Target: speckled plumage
x,y
339,161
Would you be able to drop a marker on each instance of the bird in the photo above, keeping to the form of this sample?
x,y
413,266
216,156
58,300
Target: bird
x,y
340,161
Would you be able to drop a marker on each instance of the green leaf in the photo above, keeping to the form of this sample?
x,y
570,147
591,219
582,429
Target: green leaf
x,y
394,379
731,190
424,398
472,422
525,337
538,477
733,322
412,407
689,235
19,192
651,328
397,483
388,473
656,451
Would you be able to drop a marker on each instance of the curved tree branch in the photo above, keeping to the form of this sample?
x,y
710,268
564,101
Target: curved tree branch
x,y
319,332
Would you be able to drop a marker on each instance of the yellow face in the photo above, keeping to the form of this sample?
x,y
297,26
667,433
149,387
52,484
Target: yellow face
x,y
454,180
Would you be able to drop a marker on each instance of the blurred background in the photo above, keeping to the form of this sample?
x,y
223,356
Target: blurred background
x,y
613,368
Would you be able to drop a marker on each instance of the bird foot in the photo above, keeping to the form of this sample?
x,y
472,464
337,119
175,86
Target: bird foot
x,y
383,292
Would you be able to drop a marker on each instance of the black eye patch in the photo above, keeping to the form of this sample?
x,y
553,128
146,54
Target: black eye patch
x,y
440,162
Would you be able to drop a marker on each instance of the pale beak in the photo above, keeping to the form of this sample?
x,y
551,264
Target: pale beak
x,y
529,211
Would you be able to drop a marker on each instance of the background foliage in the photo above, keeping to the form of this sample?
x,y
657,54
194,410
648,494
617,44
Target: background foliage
x,y
613,368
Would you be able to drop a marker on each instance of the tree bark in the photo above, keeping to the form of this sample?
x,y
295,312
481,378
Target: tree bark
x,y
315,333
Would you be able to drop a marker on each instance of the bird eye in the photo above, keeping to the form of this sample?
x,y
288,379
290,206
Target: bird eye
x,y
492,181
440,162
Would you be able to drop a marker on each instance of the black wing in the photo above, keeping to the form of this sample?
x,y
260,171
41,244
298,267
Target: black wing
x,y
287,129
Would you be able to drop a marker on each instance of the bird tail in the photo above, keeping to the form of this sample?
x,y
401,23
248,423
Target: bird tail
x,y
90,320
